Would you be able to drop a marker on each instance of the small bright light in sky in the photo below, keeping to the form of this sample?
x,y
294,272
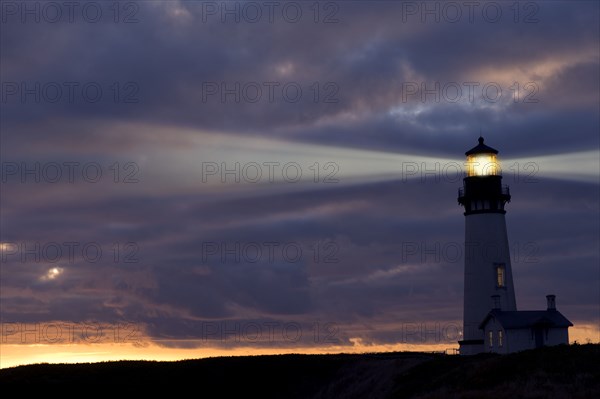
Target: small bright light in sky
x,y
6,246
52,273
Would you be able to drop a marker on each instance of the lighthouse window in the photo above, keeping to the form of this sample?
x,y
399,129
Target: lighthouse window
x,y
500,275
491,338
500,338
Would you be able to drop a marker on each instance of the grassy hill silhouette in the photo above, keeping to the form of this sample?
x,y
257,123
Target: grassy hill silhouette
x,y
552,372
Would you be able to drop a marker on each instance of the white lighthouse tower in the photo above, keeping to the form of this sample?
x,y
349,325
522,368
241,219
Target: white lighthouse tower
x,y
488,274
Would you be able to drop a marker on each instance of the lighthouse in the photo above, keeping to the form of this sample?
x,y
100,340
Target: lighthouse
x,y
488,279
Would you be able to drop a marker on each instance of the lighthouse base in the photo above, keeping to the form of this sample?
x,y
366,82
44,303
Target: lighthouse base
x,y
471,346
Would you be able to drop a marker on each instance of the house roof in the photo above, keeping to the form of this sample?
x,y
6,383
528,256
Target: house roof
x,y
527,318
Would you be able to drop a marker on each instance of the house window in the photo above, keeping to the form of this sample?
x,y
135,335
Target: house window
x,y
491,338
500,275
500,338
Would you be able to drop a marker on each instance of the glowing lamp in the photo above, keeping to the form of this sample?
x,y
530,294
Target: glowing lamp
x,y
482,161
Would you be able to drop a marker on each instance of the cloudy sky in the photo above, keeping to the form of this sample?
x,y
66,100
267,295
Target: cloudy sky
x,y
188,178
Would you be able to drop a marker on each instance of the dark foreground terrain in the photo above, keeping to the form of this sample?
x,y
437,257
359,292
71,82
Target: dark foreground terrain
x,y
558,372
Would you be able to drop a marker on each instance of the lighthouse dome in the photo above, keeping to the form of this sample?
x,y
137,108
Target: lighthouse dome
x,y
481,149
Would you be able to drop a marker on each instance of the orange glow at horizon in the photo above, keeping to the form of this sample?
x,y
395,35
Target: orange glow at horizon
x,y
16,355
12,355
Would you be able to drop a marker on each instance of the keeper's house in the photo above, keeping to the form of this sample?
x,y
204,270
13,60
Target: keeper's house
x,y
514,331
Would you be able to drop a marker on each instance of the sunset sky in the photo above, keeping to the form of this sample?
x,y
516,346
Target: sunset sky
x,y
185,179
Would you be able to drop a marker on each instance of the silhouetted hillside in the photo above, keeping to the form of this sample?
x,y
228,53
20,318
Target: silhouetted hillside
x,y
555,372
